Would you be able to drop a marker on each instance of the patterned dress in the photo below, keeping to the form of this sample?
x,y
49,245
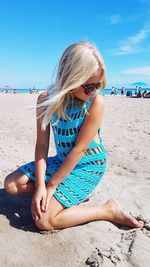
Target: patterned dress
x,y
88,172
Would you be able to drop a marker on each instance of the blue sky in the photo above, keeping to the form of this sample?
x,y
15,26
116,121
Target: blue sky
x,y
33,35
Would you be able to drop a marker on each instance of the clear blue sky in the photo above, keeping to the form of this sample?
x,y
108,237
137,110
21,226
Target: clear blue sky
x,y
34,33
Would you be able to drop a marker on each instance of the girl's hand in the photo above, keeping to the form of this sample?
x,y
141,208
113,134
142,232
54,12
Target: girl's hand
x,y
50,192
39,202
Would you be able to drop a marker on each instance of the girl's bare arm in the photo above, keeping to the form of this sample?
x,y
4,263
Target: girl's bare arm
x,y
41,148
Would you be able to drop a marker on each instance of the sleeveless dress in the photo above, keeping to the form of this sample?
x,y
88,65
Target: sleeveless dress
x,y
88,172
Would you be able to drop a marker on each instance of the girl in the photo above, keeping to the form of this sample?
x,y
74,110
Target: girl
x,y
74,109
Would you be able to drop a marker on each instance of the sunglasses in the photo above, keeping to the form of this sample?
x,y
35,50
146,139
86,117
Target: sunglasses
x,y
88,88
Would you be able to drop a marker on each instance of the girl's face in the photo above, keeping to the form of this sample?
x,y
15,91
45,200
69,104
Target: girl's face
x,y
88,89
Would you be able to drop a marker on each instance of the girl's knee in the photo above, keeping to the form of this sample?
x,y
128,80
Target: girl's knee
x,y
10,185
14,181
45,224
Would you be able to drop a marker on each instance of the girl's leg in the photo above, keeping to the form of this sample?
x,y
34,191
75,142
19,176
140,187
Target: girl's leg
x,y
59,217
18,183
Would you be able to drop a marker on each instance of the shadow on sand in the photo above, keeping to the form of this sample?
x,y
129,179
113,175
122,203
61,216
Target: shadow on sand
x,y
17,211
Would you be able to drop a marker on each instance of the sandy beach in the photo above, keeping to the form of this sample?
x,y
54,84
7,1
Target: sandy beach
x,y
126,134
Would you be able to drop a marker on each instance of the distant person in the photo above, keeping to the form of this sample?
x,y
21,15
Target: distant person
x,y
136,90
60,183
139,95
139,90
122,90
146,95
33,89
15,91
113,90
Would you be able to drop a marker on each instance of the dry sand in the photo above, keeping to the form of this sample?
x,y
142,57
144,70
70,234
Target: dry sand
x,y
126,134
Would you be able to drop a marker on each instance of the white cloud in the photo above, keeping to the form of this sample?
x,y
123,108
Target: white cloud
x,y
132,43
141,35
115,19
138,71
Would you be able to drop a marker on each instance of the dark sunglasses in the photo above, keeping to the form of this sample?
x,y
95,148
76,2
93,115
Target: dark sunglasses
x,y
88,88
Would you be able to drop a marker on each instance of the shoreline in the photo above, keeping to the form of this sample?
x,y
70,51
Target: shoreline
x,y
106,91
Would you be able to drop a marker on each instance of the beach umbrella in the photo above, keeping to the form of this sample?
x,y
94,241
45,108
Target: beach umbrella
x,y
139,84
7,86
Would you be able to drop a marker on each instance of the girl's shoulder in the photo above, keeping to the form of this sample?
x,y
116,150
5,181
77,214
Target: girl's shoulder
x,y
99,100
96,101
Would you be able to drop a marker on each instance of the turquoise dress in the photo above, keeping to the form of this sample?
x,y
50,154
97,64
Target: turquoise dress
x,y
88,172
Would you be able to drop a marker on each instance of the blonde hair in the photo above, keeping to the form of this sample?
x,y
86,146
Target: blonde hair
x,y
77,64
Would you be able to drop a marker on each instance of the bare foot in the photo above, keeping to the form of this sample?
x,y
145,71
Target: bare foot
x,y
119,216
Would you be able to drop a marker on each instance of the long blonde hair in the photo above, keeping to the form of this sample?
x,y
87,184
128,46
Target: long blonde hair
x,y
77,64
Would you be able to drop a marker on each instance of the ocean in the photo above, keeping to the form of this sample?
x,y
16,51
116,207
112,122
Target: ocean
x,y
106,91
